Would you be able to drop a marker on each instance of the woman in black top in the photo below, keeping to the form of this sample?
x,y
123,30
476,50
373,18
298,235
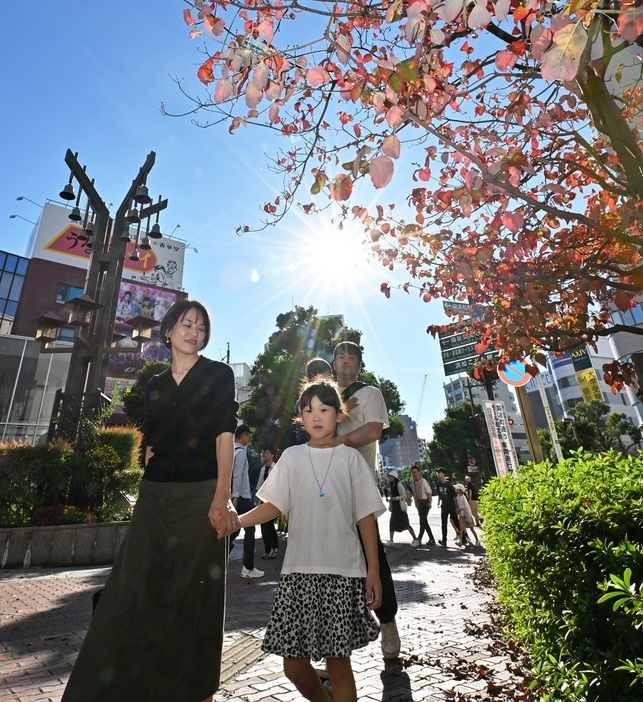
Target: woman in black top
x,y
157,632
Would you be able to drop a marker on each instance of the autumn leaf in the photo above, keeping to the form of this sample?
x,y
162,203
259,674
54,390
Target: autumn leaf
x,y
479,17
562,60
391,146
222,90
630,22
187,16
623,301
381,169
317,76
204,73
341,188
386,289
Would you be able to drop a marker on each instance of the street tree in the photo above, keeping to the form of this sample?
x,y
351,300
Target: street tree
x,y
592,427
134,396
278,371
454,440
522,123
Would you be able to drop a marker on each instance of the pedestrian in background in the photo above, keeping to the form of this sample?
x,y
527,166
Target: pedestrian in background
x,y
268,529
472,496
398,507
465,517
328,583
243,501
423,498
446,496
157,632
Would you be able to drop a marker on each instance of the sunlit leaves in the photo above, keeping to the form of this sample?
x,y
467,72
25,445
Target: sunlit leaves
x,y
561,62
380,170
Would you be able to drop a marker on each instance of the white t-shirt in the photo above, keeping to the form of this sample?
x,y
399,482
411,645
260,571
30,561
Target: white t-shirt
x,y
370,407
322,531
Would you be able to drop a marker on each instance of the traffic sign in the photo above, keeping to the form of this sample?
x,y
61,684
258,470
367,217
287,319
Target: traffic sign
x,y
514,373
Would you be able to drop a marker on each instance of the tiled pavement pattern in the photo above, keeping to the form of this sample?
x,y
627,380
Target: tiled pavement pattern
x,y
448,649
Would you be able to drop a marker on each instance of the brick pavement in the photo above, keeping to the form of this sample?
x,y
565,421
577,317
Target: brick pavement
x,y
442,620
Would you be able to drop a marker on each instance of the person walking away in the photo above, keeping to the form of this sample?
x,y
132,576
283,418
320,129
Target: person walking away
x,y
472,496
242,500
423,499
157,631
268,529
397,505
329,581
446,494
465,516
362,428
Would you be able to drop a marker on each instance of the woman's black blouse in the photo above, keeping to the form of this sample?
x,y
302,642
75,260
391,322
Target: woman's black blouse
x,y
183,421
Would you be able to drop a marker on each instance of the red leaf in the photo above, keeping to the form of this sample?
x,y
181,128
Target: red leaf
x,y
341,188
623,301
187,16
386,289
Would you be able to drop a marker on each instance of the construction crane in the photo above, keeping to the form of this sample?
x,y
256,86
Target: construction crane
x,y
417,416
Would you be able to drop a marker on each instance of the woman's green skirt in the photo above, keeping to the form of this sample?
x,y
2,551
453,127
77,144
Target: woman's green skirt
x,y
157,632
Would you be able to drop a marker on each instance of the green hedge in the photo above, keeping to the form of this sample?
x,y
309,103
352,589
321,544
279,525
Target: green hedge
x,y
56,483
565,543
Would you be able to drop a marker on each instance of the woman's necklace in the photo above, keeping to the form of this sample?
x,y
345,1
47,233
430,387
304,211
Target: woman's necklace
x,y
321,487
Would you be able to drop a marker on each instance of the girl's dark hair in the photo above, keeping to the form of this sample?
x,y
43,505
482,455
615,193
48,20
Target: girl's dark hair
x,y
326,391
176,313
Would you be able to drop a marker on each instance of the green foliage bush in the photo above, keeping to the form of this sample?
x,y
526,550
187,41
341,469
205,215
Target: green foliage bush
x,y
560,539
59,484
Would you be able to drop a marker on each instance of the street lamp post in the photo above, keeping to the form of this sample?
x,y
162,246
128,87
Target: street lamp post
x,y
90,352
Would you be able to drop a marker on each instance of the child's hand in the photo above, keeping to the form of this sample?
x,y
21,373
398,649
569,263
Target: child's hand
x,y
373,590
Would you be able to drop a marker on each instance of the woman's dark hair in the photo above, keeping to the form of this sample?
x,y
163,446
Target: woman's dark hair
x,y
326,391
176,313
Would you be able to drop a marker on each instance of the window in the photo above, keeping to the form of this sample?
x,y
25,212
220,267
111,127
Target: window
x,y
65,334
637,313
64,293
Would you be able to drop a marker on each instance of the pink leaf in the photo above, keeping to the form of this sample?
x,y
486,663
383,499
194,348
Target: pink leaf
x,y
630,22
505,60
562,60
317,76
195,33
273,114
395,116
479,17
501,9
223,90
254,95
266,30
189,20
391,146
513,221
260,76
381,170
540,38
452,8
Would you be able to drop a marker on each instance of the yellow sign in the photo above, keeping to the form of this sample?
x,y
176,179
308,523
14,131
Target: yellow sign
x,y
588,381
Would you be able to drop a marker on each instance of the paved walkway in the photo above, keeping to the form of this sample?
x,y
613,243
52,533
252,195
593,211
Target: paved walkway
x,y
449,649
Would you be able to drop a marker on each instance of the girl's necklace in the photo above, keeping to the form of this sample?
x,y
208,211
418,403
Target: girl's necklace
x,y
321,487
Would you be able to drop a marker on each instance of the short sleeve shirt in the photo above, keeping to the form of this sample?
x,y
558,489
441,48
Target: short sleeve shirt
x,y
370,407
323,530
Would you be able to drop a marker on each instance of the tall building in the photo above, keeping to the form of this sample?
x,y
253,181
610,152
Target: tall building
x,y
576,377
403,450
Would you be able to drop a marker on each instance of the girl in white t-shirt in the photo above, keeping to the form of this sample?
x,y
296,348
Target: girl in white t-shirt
x,y
328,583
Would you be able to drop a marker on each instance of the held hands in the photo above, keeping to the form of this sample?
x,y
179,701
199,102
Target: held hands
x,y
223,517
373,590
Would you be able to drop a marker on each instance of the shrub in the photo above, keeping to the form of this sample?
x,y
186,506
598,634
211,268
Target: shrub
x,y
560,538
59,484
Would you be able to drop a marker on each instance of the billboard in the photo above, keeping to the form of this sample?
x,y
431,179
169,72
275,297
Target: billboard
x,y
56,239
137,300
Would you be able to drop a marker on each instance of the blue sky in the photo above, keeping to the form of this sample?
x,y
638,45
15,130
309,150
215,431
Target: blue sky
x,y
91,77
